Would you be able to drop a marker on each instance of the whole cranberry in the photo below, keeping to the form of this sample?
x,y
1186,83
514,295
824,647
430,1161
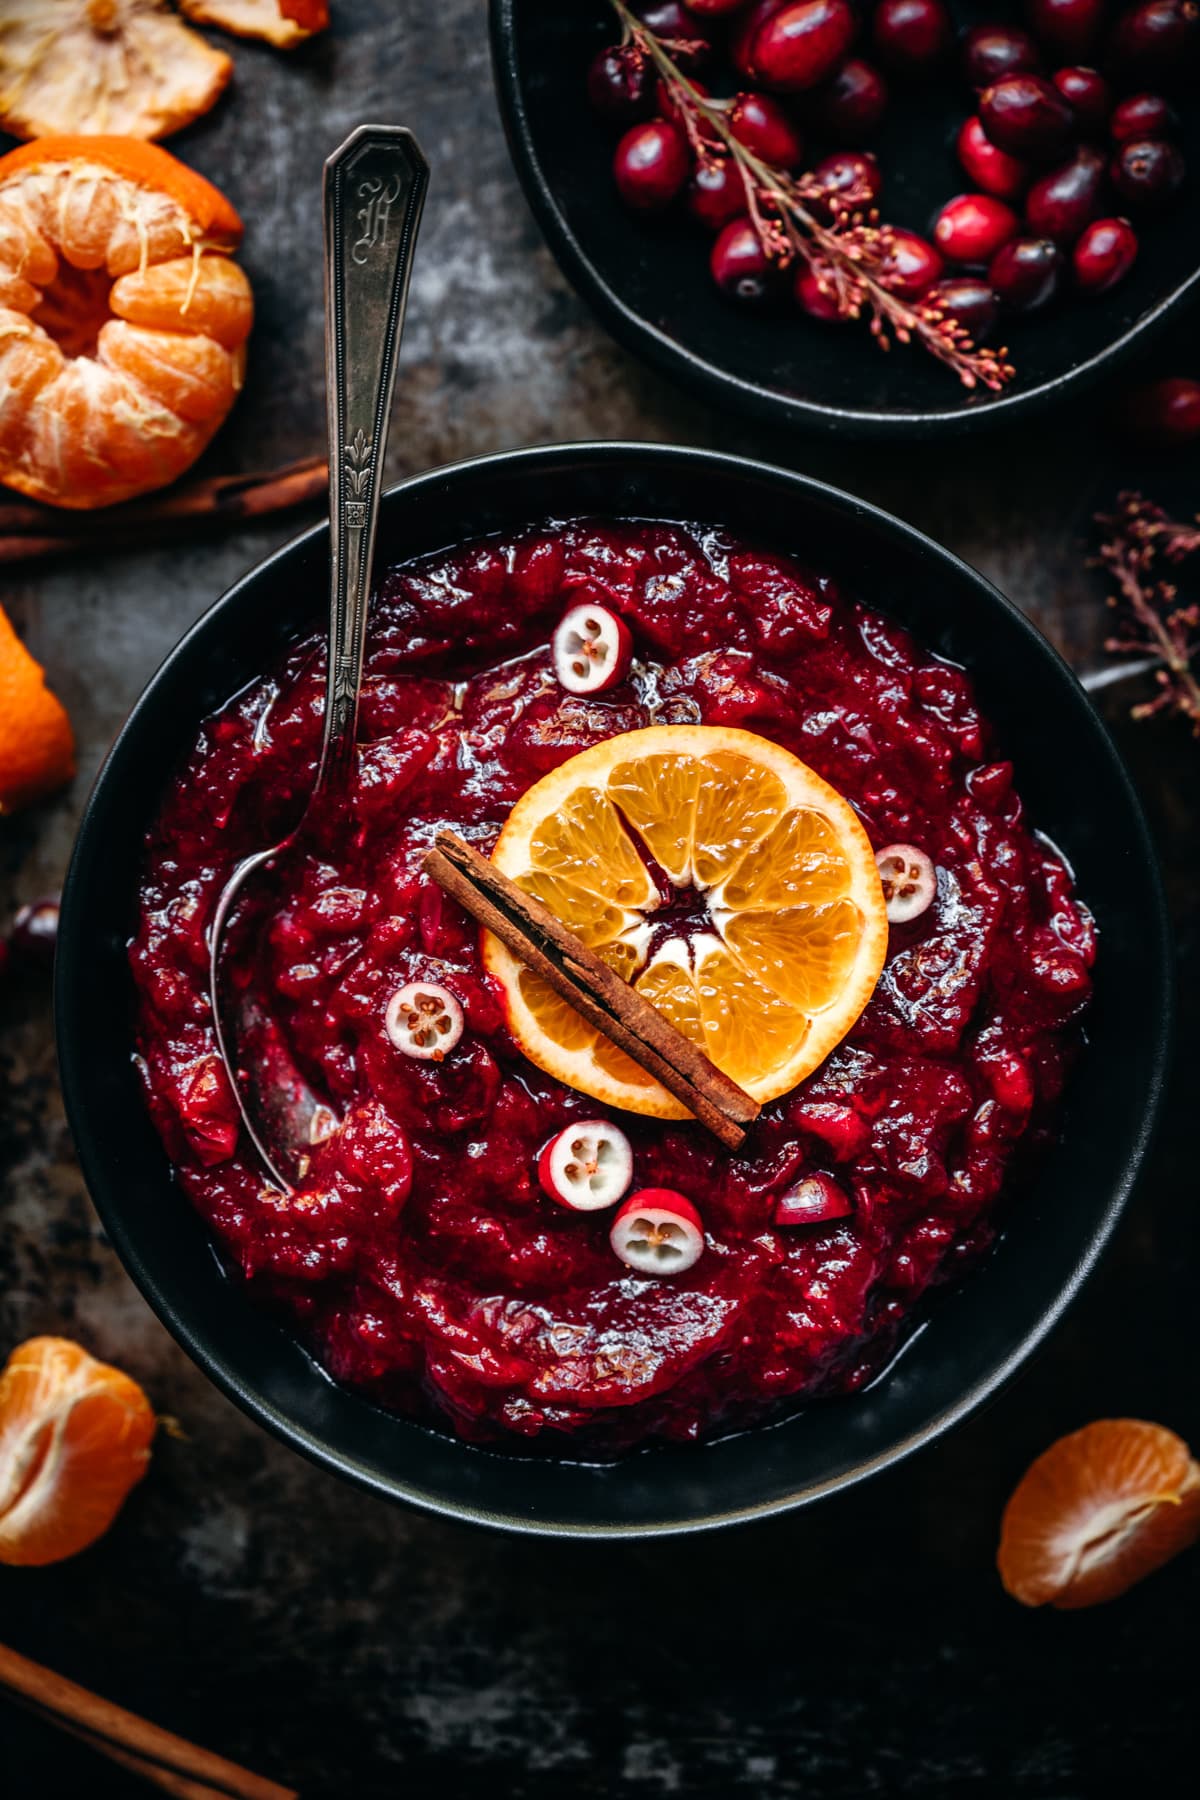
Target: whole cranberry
x,y
620,84
851,105
1027,116
739,264
803,44
745,30
762,125
1068,198
713,9
716,193
989,167
910,265
971,227
1104,253
35,932
665,101
1070,27
1026,273
851,177
912,35
816,300
1143,116
992,51
969,301
1087,94
667,19
651,165
1168,411
1159,38
1147,173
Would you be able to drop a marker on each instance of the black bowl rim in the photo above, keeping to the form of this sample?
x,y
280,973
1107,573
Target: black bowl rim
x,y
73,950
720,386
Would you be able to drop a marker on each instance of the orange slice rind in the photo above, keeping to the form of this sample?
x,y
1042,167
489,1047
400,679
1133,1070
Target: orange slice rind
x,y
788,930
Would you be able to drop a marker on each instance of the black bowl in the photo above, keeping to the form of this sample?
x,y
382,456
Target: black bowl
x,y
648,279
1075,789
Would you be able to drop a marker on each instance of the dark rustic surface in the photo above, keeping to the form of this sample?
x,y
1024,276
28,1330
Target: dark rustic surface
x,y
254,1604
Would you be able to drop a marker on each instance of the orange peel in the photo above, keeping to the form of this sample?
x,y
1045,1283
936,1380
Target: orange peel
x,y
37,746
282,23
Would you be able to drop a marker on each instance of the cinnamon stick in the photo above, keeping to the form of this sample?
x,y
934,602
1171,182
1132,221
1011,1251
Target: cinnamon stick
x,y
158,1756
596,992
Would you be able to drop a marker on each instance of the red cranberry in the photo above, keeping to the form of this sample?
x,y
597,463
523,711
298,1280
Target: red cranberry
x,y
1104,253
1027,116
1087,94
651,165
803,44
971,227
912,35
1071,27
989,167
716,193
1026,273
35,932
1166,412
969,301
665,101
763,126
852,177
746,30
667,19
990,52
1143,116
910,265
850,107
739,264
620,85
713,9
1147,172
818,301
1157,38
814,1200
1063,202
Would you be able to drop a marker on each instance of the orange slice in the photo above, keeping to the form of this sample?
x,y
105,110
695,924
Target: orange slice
x,y
283,23
766,869
74,1438
122,319
128,66
1096,1512
37,746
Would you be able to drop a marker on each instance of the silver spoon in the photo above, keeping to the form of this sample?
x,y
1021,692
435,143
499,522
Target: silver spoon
x,y
374,192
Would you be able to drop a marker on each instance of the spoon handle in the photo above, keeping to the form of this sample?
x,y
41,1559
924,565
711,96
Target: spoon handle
x,y
374,192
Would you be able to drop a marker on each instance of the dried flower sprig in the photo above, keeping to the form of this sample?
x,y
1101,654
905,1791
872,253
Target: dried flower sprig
x,y
848,255
1150,615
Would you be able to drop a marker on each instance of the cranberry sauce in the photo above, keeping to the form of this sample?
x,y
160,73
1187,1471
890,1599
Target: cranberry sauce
x,y
420,1257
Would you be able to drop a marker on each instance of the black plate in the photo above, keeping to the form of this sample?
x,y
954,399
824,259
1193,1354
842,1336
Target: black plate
x,y
1076,790
649,282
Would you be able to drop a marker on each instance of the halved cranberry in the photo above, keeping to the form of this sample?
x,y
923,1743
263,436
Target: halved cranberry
x,y
1087,94
620,84
716,193
803,43
1158,38
1026,273
592,650
34,933
658,1232
1027,116
851,177
739,264
1166,411
651,165
969,301
910,265
989,167
587,1166
1104,254
817,299
1063,202
912,36
909,881
762,125
1147,173
1071,27
971,227
813,1200
424,1020
850,106
992,51
1143,116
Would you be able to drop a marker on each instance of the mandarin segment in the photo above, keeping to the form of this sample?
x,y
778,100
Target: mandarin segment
x,y
802,953
585,842
190,375
737,803
594,920
798,861
208,294
748,1031
657,794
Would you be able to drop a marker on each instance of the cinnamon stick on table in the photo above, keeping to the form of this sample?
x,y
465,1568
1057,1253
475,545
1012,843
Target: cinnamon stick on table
x,y
596,992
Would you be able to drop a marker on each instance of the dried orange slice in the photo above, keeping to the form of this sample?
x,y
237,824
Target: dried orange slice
x,y
283,23
74,1438
760,936
127,66
1097,1511
122,319
37,747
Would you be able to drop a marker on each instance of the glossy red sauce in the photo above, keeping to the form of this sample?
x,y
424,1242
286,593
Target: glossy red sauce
x,y
419,1258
